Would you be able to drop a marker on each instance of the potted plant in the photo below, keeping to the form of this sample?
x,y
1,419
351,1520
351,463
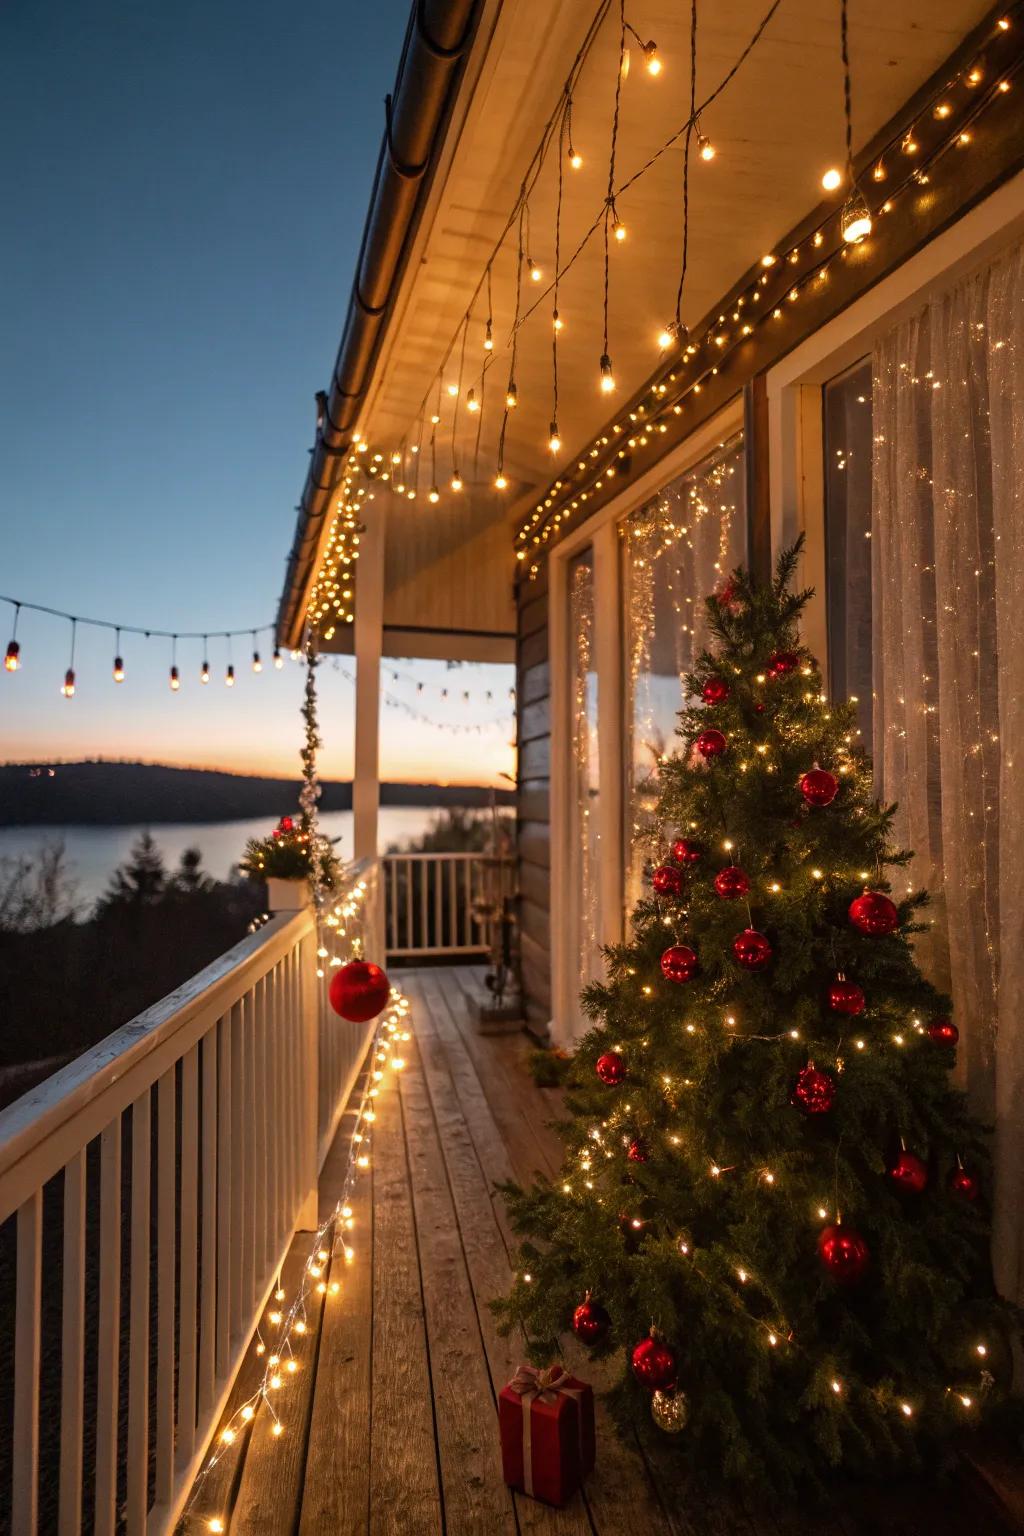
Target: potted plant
x,y
284,862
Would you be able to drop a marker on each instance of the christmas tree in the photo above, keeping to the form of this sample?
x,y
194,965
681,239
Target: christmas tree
x,y
773,1202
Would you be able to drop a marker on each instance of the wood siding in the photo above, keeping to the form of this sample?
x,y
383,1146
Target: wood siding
x,y
533,796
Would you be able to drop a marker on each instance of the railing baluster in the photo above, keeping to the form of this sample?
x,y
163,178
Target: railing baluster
x,y
208,1274
27,1322
453,906
72,1348
271,1068
165,1269
263,1224
238,1186
107,1352
188,1318
391,886
137,1469
224,1200
287,1090
251,1186
436,935
410,897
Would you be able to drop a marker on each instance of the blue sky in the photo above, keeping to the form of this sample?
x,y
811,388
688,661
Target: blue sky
x,y
184,191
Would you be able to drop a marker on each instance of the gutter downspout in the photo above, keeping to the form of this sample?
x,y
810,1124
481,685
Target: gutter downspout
x,y
437,42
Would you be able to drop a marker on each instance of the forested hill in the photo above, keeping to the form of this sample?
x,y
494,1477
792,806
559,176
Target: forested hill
x,y
126,794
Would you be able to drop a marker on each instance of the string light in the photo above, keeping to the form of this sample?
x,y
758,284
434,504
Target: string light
x,y
607,376
278,659
68,686
832,179
229,676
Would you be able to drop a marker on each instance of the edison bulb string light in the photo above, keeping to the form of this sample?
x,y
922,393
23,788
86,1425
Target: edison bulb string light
x,y
611,218
856,220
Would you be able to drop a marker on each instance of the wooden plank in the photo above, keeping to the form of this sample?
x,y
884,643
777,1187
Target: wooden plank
x,y
72,1347
534,683
27,1318
404,1486
188,1327
208,1279
535,843
336,1497
165,1286
224,1144
532,651
535,758
534,721
535,930
137,1470
756,442
533,800
475,1495
533,612
270,1490
535,886
107,1351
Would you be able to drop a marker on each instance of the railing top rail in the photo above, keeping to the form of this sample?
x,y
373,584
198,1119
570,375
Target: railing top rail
x,y
44,1113
479,857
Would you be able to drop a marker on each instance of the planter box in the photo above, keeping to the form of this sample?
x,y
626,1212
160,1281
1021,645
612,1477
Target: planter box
x,y
287,895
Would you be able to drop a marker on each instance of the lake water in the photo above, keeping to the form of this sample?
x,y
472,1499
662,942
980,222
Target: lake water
x,y
94,852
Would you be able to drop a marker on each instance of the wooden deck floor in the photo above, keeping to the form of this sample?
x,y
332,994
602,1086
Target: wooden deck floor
x,y
395,1430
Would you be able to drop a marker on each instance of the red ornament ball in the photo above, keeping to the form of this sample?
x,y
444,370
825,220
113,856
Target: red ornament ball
x,y
751,950
667,880
846,997
874,914
814,1091
943,1032
843,1253
610,1068
782,662
732,882
726,595
715,691
909,1172
637,1150
687,851
590,1322
711,744
654,1364
679,963
819,787
359,991
286,824
963,1185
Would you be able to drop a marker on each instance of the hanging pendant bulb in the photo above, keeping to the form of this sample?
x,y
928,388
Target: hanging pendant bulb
x,y
832,179
855,219
12,659
453,390
229,677
204,675
175,679
535,272
704,145
619,229
500,483
651,60
257,664
557,323
68,687
575,158
278,658
434,495
488,338
472,403
511,395
554,441
118,669
607,377
456,481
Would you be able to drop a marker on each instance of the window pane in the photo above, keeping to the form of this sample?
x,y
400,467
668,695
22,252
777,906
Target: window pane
x,y
584,885
848,436
676,550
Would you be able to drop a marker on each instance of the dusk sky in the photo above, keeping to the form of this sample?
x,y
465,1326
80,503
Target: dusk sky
x,y
184,190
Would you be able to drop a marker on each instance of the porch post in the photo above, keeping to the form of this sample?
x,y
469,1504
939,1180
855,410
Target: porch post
x,y
608,662
369,635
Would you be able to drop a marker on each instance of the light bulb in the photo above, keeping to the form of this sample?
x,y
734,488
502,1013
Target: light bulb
x,y
12,660
557,322
607,377
396,458
435,418
68,689
666,336
651,59
499,481
707,149
619,231
204,676
472,403
511,395
554,441
575,159
453,390
456,481
534,270
488,339
229,677
257,664
175,680
278,659
832,179
856,219
118,670
434,494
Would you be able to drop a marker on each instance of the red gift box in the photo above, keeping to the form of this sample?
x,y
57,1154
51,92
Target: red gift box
x,y
546,1419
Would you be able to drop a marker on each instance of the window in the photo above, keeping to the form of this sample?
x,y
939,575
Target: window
x,y
585,843
676,549
847,448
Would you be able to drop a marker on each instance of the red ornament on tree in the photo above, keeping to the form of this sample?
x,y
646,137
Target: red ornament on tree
x,y
654,1364
814,1091
667,880
715,691
963,1185
711,744
782,662
359,991
590,1321
819,787
909,1172
610,1068
686,851
874,914
943,1032
751,950
637,1150
843,1253
726,595
286,824
846,997
732,882
679,963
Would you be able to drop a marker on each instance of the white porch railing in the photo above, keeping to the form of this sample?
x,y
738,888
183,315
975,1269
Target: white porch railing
x,y
169,1166
439,904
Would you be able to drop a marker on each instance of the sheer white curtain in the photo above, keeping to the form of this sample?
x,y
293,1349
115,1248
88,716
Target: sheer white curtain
x,y
585,844
948,582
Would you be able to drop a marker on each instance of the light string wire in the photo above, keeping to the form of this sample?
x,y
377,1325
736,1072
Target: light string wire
x,y
609,202
454,727
680,329
18,603
844,49
322,1254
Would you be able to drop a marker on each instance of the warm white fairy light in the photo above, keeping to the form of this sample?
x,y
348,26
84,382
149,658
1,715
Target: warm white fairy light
x,y
832,179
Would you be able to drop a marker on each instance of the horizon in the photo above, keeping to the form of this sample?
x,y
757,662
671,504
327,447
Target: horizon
x,y
133,762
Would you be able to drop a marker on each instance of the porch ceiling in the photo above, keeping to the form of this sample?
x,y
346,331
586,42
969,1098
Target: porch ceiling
x,y
775,128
